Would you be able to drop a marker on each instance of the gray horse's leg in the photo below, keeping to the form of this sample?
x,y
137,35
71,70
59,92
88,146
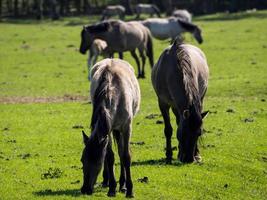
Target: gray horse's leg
x,y
126,159
133,53
119,140
111,175
164,109
89,65
143,57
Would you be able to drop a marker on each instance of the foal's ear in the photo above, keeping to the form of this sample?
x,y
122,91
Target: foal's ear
x,y
204,114
85,137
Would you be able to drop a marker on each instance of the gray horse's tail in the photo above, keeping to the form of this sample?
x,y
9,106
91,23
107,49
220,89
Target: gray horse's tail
x,y
149,50
156,9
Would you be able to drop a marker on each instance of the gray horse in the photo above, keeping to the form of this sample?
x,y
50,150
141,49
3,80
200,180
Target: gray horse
x,y
180,79
120,37
163,29
115,95
113,11
146,9
183,15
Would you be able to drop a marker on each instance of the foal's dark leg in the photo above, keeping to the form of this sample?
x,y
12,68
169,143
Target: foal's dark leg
x,y
110,163
164,108
119,140
126,160
120,55
105,173
137,62
143,63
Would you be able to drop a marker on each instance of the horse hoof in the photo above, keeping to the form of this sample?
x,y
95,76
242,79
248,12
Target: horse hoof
x,y
168,161
111,194
139,76
129,195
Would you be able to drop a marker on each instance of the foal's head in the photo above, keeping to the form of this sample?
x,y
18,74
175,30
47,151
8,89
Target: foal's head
x,y
92,160
189,131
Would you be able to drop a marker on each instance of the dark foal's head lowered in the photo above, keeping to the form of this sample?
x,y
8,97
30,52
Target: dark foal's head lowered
x,y
190,129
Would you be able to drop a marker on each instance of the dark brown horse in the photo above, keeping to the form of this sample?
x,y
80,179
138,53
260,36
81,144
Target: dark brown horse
x,y
180,79
115,96
120,37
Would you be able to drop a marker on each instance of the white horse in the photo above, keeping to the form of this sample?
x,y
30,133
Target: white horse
x,y
97,48
172,27
182,14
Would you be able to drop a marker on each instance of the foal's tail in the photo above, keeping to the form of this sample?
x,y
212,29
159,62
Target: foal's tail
x,y
156,9
149,49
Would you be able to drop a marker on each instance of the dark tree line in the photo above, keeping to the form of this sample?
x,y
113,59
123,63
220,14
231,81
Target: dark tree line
x,y
57,8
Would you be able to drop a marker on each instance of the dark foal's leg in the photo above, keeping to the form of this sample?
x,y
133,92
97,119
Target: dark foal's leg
x,y
137,62
164,108
126,160
143,57
105,173
120,55
110,163
119,140
177,115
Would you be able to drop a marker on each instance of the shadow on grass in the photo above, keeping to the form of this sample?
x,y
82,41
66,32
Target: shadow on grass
x,y
68,192
233,16
161,161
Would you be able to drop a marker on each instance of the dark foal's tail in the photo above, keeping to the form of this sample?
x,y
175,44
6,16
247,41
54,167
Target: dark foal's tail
x,y
156,9
149,50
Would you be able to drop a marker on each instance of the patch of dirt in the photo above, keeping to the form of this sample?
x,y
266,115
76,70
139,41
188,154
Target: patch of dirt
x,y
52,173
143,180
28,100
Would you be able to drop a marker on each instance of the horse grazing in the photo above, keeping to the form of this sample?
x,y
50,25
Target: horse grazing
x,y
183,15
97,48
146,9
113,11
180,79
120,37
115,96
171,27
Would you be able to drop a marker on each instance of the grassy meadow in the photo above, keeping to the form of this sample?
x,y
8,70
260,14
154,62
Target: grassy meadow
x,y
43,108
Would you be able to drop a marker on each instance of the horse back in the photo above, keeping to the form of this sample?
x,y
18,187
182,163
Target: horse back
x,y
123,92
168,77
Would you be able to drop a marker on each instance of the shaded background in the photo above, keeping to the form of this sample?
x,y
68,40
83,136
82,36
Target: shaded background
x,y
57,8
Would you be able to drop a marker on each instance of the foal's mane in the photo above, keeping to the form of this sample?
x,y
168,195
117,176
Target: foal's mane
x,y
187,25
185,65
101,95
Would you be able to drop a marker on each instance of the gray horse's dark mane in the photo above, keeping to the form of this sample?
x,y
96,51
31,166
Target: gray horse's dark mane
x,y
187,25
184,62
99,111
98,28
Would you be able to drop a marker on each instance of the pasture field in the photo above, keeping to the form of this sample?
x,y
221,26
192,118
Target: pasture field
x,y
43,108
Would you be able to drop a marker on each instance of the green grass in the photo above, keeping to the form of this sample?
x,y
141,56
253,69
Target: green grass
x,y
41,60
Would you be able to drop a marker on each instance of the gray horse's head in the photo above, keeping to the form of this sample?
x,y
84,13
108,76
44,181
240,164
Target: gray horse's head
x,y
86,40
89,33
92,160
190,129
197,34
